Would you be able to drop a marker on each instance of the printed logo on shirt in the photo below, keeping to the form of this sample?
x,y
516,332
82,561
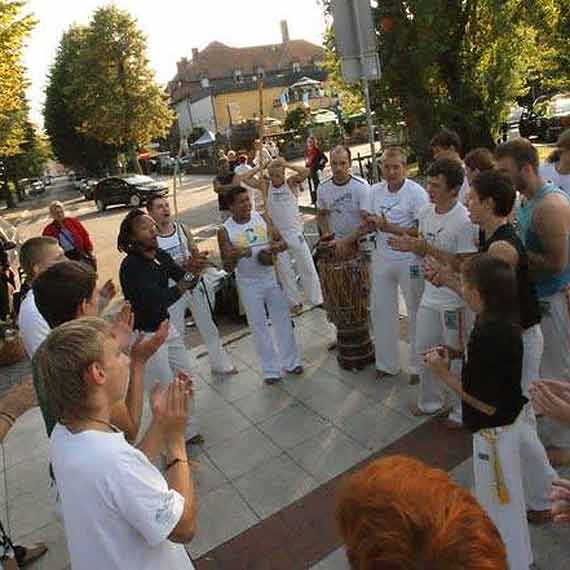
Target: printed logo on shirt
x,y
252,235
163,515
451,320
483,456
415,272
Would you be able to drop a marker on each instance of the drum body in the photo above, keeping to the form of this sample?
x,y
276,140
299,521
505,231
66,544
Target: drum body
x,y
346,288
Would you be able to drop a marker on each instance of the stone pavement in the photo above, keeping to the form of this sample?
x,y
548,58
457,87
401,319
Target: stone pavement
x,y
271,461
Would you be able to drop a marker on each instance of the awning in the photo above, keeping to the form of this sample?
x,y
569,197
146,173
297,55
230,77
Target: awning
x,y
305,82
206,139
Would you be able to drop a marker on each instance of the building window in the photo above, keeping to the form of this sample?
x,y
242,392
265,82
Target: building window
x,y
238,77
260,73
296,67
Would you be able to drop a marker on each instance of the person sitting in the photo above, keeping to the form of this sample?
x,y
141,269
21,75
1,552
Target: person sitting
x,y
118,510
399,514
71,235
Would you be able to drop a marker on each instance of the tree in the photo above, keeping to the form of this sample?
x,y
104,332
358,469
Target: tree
x,y
70,145
117,102
456,63
297,118
14,29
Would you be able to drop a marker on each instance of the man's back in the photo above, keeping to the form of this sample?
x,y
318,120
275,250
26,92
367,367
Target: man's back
x,y
117,507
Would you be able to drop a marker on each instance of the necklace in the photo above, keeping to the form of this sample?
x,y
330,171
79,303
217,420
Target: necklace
x,y
111,426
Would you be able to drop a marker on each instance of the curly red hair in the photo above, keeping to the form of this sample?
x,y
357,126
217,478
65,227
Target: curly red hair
x,y
399,514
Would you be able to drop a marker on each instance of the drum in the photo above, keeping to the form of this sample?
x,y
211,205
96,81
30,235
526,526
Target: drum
x,y
367,246
346,288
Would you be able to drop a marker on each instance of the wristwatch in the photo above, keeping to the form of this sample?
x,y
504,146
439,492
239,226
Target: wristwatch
x,y
188,276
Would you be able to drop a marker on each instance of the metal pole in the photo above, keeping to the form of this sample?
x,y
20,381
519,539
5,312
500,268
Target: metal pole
x,y
370,127
366,90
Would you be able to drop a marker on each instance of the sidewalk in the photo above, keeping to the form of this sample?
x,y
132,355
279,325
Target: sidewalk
x,y
271,461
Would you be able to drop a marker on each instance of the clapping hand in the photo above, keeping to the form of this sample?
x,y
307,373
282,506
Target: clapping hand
x,y
551,398
560,497
196,263
144,347
106,294
404,243
123,326
437,360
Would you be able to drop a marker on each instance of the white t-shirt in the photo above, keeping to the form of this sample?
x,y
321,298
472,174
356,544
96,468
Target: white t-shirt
x,y
454,233
400,208
252,234
344,204
175,244
33,327
548,171
117,508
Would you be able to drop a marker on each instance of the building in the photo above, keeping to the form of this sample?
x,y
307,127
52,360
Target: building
x,y
219,86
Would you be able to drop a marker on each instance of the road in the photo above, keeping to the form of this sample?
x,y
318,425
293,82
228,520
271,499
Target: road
x,y
197,204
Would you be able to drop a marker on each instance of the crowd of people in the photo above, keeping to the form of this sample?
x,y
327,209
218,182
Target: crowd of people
x,y
480,258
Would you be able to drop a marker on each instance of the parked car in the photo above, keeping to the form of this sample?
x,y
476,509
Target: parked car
x,y
87,187
132,190
547,117
48,179
36,186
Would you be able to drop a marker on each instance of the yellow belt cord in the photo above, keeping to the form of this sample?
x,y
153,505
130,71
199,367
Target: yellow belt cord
x,y
501,487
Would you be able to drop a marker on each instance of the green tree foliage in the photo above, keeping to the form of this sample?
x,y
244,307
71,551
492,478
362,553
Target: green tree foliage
x,y
14,29
458,63
70,145
297,118
102,92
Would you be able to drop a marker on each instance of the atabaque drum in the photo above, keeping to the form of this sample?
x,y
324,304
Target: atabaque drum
x,y
346,290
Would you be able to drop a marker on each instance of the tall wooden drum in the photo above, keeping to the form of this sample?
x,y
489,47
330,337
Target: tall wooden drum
x,y
346,289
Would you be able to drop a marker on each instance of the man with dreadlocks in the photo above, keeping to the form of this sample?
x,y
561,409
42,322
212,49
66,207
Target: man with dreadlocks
x,y
144,276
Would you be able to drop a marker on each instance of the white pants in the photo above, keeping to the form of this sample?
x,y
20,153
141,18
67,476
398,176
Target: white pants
x,y
298,250
440,327
555,363
386,278
510,519
171,357
274,353
197,301
533,343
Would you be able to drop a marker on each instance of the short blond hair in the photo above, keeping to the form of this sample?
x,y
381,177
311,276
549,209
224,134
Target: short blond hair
x,y
64,358
395,152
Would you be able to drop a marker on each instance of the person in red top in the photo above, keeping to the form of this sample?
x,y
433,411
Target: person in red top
x,y
71,235
315,160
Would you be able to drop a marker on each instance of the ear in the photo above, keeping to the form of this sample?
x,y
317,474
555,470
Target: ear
x,y
95,374
82,309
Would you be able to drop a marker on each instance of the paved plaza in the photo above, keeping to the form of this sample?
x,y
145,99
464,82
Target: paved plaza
x,y
273,456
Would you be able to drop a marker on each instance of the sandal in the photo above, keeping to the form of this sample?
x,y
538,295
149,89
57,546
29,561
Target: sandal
x,y
25,555
297,370
271,381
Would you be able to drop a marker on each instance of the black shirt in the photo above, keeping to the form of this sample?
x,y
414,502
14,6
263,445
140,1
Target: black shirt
x,y
492,374
145,285
529,310
222,199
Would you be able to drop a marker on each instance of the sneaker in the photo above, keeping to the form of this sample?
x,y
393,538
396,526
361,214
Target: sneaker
x,y
272,380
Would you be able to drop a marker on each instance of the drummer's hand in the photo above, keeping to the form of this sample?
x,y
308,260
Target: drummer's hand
x,y
407,243
277,246
432,271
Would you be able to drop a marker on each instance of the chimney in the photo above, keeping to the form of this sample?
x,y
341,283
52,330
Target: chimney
x,y
284,31
194,54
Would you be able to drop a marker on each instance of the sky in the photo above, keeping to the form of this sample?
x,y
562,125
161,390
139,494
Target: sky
x,y
173,28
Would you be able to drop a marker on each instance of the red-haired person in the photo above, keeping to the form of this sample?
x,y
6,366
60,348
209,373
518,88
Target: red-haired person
x,y
399,514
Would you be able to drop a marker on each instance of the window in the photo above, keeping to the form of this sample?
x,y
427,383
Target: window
x,y
260,73
238,77
296,67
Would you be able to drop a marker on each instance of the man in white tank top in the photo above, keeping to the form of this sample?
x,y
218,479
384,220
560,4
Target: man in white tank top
x,y
178,242
281,199
247,245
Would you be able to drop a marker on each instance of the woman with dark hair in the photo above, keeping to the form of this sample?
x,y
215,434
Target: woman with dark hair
x,y
399,514
493,405
315,160
557,165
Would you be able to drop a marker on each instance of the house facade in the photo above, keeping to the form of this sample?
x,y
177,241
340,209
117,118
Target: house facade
x,y
219,86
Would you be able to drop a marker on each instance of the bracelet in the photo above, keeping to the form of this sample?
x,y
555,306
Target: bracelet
x,y
175,461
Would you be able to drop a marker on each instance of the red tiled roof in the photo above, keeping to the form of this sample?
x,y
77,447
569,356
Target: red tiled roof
x,y
218,60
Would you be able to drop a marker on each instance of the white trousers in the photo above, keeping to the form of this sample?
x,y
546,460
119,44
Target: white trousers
x,y
197,301
298,250
510,519
555,363
171,357
281,352
387,277
440,327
